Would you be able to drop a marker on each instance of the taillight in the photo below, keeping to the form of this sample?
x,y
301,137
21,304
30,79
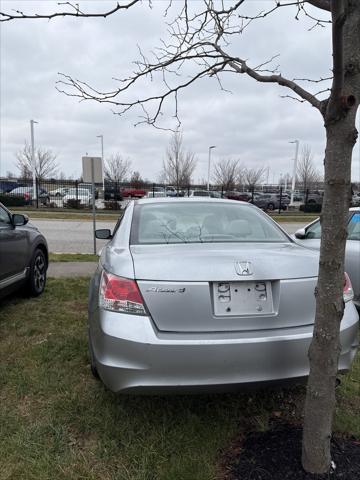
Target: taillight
x,y
120,295
26,196
348,292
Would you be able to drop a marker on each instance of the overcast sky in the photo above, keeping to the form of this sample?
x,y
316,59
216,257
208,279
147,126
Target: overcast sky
x,y
252,123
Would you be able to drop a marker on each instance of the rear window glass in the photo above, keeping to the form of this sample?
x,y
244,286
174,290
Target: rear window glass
x,y
200,222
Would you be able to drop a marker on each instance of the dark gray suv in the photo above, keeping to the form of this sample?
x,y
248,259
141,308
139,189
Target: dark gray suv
x,y
23,254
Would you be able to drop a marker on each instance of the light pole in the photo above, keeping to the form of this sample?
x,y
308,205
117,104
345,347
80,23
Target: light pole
x,y
209,160
102,159
34,197
294,170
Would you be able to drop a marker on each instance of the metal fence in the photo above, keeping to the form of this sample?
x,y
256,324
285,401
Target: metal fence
x,y
75,194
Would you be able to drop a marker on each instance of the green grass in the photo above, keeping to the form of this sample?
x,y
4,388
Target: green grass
x,y
73,257
57,422
65,214
286,218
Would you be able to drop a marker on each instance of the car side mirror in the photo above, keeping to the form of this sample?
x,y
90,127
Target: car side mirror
x,y
103,234
18,219
301,233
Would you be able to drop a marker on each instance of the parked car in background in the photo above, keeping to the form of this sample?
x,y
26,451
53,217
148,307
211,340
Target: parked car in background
x,y
199,193
156,193
88,186
23,254
355,200
315,197
271,201
201,294
133,192
8,185
112,192
242,196
214,194
298,196
59,192
80,195
170,191
27,193
310,236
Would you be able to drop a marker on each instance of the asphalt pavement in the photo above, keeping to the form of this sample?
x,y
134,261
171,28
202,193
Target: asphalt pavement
x,y
71,236
76,236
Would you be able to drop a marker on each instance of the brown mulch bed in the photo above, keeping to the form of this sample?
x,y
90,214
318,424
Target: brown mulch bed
x,y
276,455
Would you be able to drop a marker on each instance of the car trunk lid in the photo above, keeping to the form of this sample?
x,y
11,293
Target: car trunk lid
x,y
226,287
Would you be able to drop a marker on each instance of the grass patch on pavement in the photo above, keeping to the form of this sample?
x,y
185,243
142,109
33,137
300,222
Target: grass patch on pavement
x,y
302,219
57,422
73,257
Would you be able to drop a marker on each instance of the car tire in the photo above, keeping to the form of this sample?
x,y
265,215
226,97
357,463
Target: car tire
x,y
37,276
93,368
58,194
271,206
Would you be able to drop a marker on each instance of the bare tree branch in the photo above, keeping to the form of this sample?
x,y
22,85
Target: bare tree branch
x,y
307,175
46,165
253,176
241,66
117,168
179,165
74,12
226,173
199,41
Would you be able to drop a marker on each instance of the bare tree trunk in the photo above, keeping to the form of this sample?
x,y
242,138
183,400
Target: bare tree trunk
x,y
325,348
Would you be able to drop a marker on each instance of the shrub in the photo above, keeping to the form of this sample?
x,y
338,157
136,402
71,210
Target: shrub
x,y
311,208
73,203
12,200
111,205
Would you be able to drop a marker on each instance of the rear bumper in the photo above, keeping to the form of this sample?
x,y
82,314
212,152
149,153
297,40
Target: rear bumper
x,y
132,356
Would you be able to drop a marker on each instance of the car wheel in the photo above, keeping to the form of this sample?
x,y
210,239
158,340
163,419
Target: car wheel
x,y
58,194
284,208
271,206
93,368
37,277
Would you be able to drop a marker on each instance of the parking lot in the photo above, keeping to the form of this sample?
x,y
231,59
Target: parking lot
x,y
59,232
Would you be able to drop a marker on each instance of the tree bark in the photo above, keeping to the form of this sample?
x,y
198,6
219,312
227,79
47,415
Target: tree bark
x,y
339,115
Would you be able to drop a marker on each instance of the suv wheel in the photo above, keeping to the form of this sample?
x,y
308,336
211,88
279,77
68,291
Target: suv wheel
x,y
271,206
37,277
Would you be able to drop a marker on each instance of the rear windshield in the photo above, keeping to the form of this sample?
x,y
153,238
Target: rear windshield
x,y
200,222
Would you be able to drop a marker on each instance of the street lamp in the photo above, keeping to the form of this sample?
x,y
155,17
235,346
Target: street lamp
x,y
294,170
102,158
209,160
34,197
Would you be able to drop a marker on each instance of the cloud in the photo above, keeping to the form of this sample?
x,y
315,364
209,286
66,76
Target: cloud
x,y
251,123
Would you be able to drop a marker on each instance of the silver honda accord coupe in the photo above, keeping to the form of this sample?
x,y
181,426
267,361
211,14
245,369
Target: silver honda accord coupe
x,y
200,294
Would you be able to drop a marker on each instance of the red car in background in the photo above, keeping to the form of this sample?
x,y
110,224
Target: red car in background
x,y
242,196
133,192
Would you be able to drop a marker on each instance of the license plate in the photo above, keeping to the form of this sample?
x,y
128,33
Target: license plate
x,y
242,298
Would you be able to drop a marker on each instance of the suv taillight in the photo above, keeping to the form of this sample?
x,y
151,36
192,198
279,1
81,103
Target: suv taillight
x,y
348,292
120,295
